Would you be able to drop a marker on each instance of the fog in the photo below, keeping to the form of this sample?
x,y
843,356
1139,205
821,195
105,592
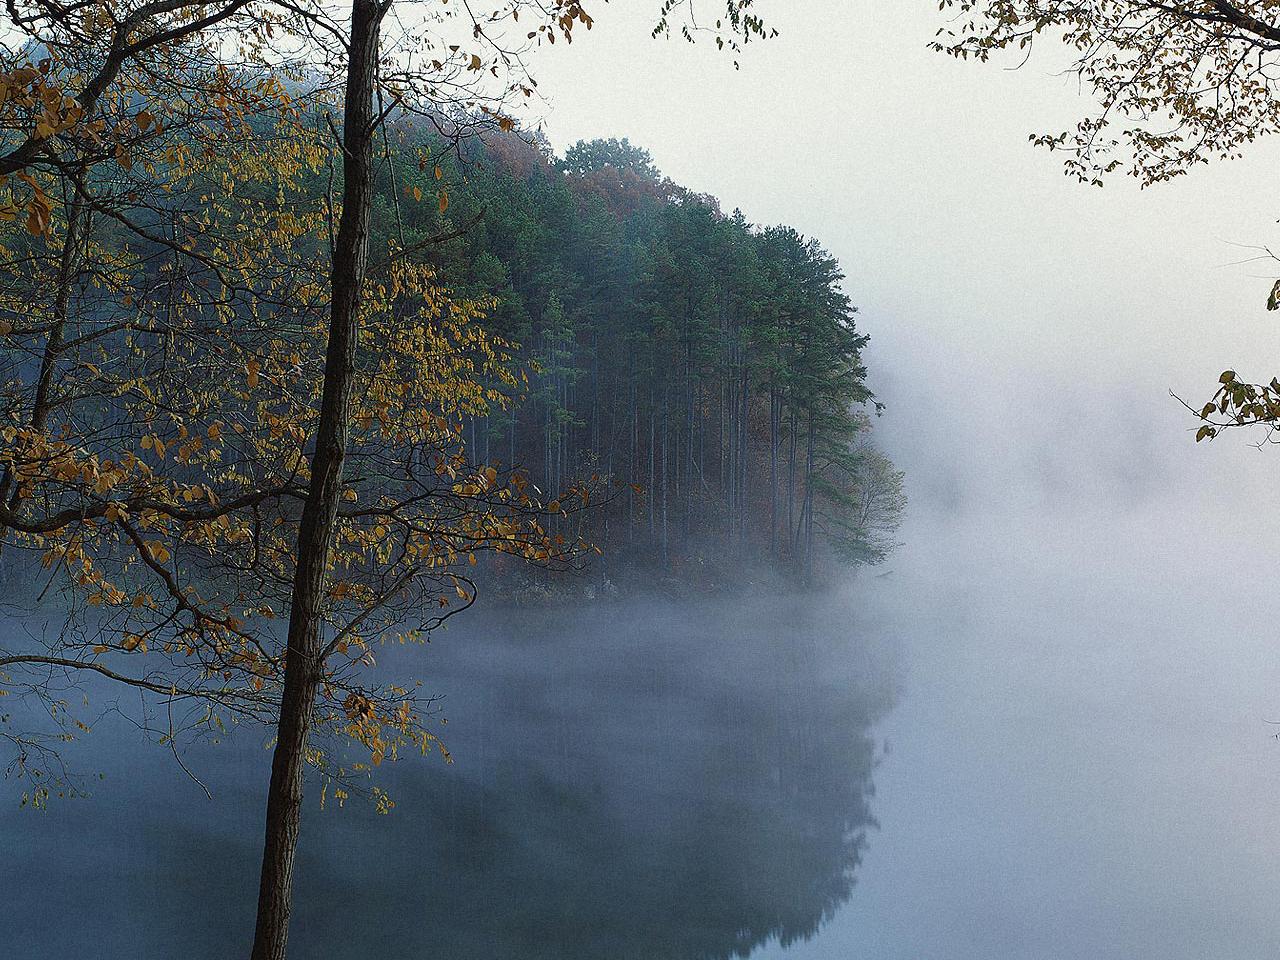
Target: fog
x,y
638,780
1081,764
1026,330
1039,732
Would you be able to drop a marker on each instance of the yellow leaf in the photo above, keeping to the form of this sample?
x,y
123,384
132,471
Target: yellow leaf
x,y
37,220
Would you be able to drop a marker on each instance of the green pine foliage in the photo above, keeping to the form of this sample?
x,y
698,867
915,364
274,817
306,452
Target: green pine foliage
x,y
712,369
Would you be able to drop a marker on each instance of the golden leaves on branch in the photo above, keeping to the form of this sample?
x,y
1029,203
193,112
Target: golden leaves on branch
x,y
177,464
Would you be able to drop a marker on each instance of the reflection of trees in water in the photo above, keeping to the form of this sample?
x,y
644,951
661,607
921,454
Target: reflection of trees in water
x,y
633,789
690,809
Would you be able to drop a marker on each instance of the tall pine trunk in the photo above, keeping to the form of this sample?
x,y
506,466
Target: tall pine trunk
x,y
808,502
652,475
302,672
633,464
744,441
775,422
791,483
666,470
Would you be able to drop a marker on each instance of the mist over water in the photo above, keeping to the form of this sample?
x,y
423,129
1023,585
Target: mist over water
x,y
638,779
1083,763
1041,731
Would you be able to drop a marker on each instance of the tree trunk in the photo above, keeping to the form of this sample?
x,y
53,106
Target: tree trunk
x,y
652,477
69,265
744,441
791,483
511,436
666,470
775,419
808,502
319,513
731,459
634,465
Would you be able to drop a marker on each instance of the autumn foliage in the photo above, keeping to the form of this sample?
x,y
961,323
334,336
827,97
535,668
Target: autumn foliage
x,y
161,380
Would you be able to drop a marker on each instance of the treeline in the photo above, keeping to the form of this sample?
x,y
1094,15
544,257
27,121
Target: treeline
x,y
708,370
714,368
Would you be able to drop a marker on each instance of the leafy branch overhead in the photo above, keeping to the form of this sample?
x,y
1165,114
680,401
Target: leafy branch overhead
x,y
162,480
183,181
238,397
1176,83
1240,404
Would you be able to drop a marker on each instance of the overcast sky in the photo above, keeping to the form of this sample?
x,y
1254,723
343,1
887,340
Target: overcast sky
x,y
1004,300
1082,765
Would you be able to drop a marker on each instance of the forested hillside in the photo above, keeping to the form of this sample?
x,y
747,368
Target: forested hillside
x,y
711,367
704,372
300,339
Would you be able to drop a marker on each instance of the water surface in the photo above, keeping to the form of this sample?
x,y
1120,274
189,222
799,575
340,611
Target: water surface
x,y
634,779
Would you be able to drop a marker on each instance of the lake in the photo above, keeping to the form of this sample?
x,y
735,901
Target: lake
x,y
967,754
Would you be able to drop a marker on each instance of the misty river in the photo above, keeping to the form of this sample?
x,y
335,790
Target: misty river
x,y
970,755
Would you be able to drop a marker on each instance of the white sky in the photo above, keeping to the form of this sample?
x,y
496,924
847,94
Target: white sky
x,y
1081,765
1005,301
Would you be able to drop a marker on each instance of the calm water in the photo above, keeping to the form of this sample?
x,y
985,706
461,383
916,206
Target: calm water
x,y
638,780
1081,767
976,756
